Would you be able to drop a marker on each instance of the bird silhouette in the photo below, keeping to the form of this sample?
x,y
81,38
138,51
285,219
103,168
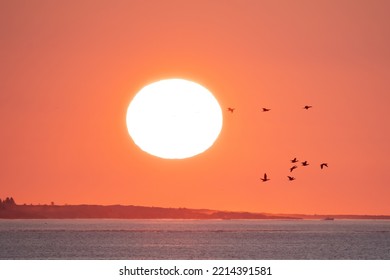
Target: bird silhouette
x,y
231,110
265,178
323,165
294,160
305,163
307,107
265,109
291,178
292,168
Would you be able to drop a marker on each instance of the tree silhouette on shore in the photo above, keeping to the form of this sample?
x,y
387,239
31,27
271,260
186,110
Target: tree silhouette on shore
x,y
8,201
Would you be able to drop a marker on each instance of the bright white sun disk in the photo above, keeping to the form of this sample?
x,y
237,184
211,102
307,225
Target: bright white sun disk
x,y
174,119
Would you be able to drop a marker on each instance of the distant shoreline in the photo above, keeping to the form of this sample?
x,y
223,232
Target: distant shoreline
x,y
143,212
122,212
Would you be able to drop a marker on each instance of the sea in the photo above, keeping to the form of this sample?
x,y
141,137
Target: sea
x,y
120,239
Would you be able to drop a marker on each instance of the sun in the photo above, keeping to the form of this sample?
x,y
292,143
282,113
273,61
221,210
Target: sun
x,y
174,119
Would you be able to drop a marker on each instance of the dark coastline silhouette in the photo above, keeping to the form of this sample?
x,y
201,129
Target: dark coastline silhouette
x,y
13,211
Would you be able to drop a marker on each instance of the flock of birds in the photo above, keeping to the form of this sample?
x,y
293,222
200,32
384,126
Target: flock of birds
x,y
291,178
231,110
294,160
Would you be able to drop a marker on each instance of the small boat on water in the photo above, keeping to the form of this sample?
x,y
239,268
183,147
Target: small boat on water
x,y
328,219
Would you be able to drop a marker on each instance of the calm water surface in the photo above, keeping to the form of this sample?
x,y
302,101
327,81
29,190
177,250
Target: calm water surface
x,y
194,239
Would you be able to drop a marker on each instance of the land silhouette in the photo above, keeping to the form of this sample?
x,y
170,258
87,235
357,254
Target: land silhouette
x,y
10,210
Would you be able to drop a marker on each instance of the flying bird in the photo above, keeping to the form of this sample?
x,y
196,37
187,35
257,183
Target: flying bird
x,y
294,160
291,178
324,165
265,109
307,107
305,163
292,168
265,178
231,110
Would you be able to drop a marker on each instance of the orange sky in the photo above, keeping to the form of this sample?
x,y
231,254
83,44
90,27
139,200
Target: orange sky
x,y
70,68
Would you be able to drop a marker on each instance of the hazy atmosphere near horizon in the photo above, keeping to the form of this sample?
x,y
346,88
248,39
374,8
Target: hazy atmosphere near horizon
x,y
69,70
